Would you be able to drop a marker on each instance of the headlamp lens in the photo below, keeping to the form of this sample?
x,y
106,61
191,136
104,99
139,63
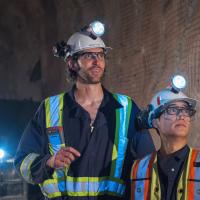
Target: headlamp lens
x,y
97,28
178,82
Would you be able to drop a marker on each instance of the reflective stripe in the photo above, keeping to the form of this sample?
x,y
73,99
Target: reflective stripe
x,y
54,110
155,188
197,177
53,107
47,113
122,122
148,175
86,186
25,166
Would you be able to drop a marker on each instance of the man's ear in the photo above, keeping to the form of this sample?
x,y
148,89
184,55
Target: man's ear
x,y
70,62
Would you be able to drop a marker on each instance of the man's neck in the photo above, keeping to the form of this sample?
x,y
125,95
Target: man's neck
x,y
171,145
88,93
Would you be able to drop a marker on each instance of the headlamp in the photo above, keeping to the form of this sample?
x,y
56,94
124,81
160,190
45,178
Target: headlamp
x,y
94,30
97,28
178,82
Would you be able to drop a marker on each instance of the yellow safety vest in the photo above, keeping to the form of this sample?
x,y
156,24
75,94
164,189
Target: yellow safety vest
x,y
62,184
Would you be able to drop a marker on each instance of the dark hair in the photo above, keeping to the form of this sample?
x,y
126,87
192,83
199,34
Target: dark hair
x,y
71,73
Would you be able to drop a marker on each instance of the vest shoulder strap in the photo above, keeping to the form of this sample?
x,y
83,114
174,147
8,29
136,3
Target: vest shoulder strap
x,y
53,110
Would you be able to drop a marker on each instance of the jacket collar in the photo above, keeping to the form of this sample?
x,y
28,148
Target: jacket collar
x,y
108,102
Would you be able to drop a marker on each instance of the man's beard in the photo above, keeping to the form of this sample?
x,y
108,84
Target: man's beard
x,y
86,77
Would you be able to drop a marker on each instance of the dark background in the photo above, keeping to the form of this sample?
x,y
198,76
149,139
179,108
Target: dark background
x,y
151,41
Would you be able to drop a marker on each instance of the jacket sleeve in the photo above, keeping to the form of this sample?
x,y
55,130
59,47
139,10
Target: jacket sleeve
x,y
140,141
32,152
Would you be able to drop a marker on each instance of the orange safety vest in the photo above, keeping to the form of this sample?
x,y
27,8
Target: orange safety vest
x,y
145,184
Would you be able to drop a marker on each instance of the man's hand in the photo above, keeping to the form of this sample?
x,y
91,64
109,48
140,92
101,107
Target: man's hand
x,y
63,158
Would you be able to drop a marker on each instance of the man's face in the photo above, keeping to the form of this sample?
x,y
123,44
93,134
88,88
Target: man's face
x,y
174,121
91,65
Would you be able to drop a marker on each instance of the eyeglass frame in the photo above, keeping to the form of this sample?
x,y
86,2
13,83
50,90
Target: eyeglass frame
x,y
188,111
178,112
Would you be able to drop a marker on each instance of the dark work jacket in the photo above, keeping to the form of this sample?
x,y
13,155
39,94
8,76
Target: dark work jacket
x,y
95,147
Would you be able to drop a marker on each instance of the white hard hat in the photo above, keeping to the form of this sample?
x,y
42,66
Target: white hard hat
x,y
80,41
164,98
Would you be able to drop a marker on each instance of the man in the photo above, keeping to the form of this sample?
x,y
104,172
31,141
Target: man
x,y
79,143
173,172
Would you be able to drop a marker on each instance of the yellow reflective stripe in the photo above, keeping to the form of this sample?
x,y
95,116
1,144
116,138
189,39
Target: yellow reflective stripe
x,y
51,149
182,185
60,109
80,194
187,173
25,167
155,191
47,112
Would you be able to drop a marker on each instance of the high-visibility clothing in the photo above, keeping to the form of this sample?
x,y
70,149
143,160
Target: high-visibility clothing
x,y
145,184
61,183
107,149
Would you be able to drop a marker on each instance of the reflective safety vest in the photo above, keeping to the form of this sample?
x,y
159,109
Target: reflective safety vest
x,y
145,183
62,184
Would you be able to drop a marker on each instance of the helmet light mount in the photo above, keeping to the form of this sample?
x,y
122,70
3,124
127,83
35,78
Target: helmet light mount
x,y
60,50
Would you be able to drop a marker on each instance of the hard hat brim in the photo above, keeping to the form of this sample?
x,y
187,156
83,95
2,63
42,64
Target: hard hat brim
x,y
191,102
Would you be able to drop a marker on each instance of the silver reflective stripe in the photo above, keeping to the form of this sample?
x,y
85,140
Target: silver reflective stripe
x,y
141,174
85,188
122,133
25,166
54,110
49,189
